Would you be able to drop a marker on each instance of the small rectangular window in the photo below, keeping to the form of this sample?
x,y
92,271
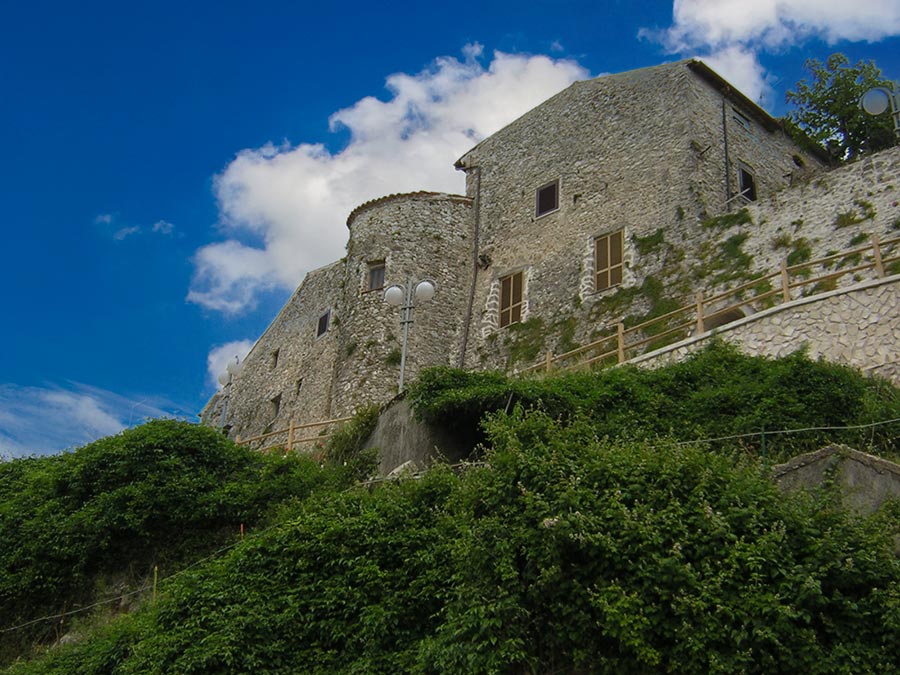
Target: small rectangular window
x,y
746,183
740,118
608,260
273,363
274,406
547,198
323,323
511,298
376,276
299,385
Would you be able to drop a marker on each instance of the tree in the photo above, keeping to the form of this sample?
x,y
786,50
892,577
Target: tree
x,y
827,108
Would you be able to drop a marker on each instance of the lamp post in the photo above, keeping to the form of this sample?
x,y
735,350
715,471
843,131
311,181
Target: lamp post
x,y
881,99
423,291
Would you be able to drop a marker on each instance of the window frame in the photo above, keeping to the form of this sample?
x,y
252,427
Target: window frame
x,y
537,199
513,310
745,170
612,271
372,268
741,119
326,316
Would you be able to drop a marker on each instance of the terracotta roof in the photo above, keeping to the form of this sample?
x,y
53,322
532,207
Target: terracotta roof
x,y
421,194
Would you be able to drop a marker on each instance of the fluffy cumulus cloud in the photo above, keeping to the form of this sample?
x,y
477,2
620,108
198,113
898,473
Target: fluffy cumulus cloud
x,y
219,357
40,420
283,207
729,34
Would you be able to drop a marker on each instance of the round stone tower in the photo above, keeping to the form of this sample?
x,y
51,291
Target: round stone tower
x,y
396,240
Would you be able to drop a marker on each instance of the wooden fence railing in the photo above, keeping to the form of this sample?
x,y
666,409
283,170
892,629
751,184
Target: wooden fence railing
x,y
783,285
265,440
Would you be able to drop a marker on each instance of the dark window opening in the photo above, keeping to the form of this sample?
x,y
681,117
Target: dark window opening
x,y
376,276
747,184
299,385
274,362
547,198
274,406
511,299
608,260
323,323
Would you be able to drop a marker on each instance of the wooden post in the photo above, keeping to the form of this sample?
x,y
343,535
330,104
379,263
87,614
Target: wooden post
x,y
548,361
290,443
700,324
620,334
876,249
785,281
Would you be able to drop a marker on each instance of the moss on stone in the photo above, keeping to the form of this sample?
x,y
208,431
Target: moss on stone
x,y
525,341
727,220
858,238
801,251
645,245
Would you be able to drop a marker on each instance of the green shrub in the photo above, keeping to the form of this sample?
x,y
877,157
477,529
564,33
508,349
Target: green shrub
x,y
160,494
563,553
716,392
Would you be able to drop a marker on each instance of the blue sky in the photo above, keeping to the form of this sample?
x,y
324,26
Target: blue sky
x,y
171,170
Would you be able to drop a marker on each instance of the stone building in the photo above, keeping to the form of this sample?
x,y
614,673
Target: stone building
x,y
620,197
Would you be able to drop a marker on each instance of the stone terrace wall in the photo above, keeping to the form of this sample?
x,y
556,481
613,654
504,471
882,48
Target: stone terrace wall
x,y
834,211
858,327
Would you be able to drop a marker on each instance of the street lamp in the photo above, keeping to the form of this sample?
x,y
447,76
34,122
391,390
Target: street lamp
x,y
395,296
881,99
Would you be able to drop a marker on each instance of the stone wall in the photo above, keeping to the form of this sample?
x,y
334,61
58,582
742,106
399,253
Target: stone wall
x,y
864,481
858,326
418,236
295,374
655,154
642,152
288,373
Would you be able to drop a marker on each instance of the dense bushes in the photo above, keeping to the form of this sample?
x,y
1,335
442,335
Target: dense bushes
x,y
715,393
590,539
159,494
564,553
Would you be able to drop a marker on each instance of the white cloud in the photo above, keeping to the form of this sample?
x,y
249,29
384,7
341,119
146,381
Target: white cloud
x,y
741,67
219,357
731,33
717,24
296,198
104,219
40,420
163,227
228,275
124,232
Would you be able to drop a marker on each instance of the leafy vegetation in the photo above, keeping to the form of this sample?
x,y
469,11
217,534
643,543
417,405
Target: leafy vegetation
x,y
727,220
827,108
717,392
583,541
106,514
563,553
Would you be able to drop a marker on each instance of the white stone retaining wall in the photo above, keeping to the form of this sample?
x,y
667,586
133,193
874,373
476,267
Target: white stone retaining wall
x,y
857,326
